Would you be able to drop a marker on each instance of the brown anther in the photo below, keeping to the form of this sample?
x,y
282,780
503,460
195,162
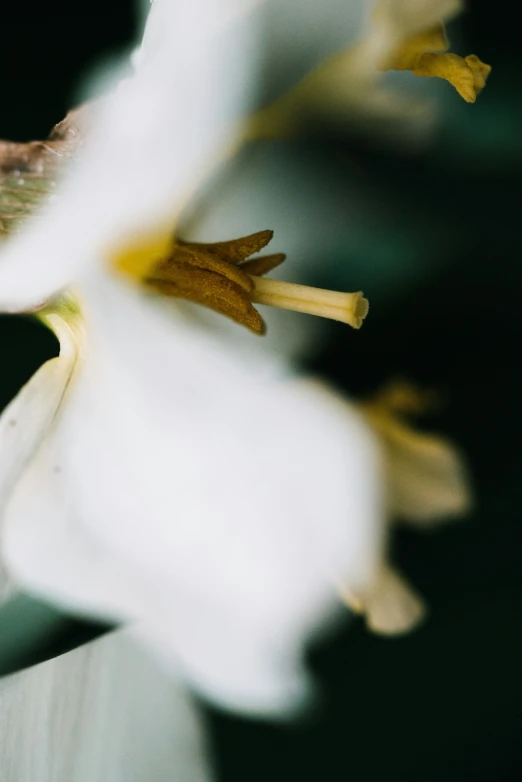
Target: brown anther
x,y
217,275
262,265
234,251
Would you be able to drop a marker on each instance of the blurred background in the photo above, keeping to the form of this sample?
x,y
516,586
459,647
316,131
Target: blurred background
x,y
430,230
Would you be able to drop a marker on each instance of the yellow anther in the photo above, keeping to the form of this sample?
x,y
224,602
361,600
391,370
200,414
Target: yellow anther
x,y
425,54
467,79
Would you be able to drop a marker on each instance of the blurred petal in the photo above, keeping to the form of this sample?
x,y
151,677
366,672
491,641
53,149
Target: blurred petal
x,y
228,659
427,480
391,606
27,419
408,17
102,713
149,143
220,501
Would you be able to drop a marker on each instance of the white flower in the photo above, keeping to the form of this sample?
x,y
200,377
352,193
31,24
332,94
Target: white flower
x,y
102,713
158,473
154,473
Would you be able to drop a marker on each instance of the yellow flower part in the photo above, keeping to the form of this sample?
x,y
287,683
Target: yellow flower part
x,y
426,54
136,259
426,476
390,605
427,484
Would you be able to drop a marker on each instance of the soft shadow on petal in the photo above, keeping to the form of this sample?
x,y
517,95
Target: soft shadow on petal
x,y
102,713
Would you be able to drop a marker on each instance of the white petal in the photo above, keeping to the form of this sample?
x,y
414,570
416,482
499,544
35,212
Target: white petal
x,y
149,144
238,663
27,419
225,499
102,713
43,528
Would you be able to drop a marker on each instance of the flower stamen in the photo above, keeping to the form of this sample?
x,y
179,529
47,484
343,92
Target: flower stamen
x,y
220,277
426,54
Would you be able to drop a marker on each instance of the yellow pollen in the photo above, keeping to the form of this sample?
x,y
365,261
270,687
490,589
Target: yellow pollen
x,y
139,256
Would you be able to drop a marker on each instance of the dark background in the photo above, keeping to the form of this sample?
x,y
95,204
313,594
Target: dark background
x,y
444,702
